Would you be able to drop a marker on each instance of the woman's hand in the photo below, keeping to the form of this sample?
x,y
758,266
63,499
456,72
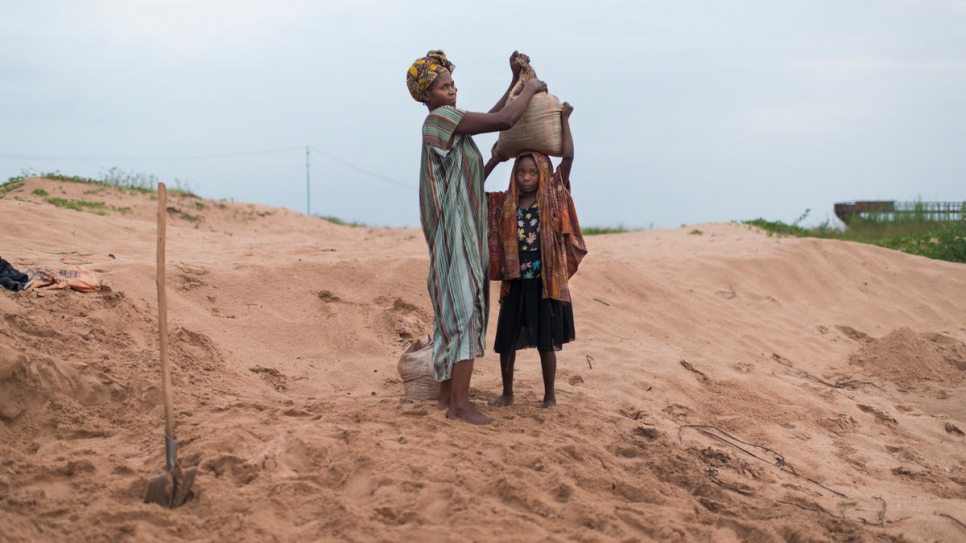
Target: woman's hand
x,y
516,58
515,66
535,86
566,111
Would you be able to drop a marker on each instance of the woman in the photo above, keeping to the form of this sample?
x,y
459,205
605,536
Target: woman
x,y
453,216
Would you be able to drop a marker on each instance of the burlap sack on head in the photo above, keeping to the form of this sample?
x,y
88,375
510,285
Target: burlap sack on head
x,y
416,369
539,129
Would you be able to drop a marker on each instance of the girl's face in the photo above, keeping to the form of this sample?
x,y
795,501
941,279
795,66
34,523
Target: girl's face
x,y
441,92
527,175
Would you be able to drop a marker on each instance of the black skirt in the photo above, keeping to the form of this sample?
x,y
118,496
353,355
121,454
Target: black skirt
x,y
528,320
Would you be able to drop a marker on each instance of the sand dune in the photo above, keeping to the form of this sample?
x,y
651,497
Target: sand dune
x,y
725,386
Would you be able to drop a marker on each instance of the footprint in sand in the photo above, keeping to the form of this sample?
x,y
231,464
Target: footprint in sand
x,y
678,412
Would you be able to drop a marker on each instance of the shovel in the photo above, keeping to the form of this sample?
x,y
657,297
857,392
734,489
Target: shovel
x,y
171,489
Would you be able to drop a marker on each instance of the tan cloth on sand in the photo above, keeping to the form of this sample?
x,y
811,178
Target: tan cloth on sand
x,y
75,278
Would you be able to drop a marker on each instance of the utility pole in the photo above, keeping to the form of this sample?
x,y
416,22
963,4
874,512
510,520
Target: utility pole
x,y
308,193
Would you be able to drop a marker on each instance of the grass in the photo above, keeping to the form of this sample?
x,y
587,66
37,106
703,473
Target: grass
x,y
592,231
136,183
78,205
598,230
114,177
140,182
340,222
913,233
13,184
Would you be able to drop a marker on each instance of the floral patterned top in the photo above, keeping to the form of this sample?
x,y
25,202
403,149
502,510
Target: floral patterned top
x,y
528,235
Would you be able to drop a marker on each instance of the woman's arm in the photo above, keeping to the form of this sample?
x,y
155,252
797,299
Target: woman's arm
x,y
479,123
515,68
568,145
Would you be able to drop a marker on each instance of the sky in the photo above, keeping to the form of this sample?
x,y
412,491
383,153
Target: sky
x,y
685,112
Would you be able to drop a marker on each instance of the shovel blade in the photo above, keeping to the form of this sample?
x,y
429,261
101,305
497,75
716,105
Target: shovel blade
x,y
182,487
160,490
171,490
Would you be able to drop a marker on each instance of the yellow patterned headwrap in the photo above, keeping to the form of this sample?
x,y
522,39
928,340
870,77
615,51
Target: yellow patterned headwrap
x,y
424,71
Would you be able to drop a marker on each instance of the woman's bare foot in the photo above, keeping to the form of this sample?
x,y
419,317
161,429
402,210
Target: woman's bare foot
x,y
445,393
460,406
548,403
502,400
468,414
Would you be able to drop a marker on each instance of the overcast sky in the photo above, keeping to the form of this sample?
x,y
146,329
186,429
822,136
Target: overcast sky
x,y
685,111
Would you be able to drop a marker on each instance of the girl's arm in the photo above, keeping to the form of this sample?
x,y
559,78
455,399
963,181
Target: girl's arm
x,y
515,68
568,145
479,123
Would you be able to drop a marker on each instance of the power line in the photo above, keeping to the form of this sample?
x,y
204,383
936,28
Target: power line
x,y
170,157
308,193
215,156
363,170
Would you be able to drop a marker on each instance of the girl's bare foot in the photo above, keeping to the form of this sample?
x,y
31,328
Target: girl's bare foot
x,y
548,403
502,400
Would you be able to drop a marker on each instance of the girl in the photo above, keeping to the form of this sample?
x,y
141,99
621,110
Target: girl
x,y
535,247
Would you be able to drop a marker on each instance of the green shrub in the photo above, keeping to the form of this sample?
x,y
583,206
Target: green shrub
x,y
78,205
913,233
600,230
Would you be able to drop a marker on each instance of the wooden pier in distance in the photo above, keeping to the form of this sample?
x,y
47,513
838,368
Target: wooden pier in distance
x,y
892,211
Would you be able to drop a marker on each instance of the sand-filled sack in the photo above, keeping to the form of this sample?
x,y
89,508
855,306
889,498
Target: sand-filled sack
x,y
416,370
539,129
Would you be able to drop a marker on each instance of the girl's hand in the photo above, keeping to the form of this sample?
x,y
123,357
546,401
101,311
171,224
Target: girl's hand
x,y
515,66
566,111
536,85
495,158
492,163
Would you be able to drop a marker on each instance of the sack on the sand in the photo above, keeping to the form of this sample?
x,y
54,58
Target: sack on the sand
x,y
539,129
416,369
74,278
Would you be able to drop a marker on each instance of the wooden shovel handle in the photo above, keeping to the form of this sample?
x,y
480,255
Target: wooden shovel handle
x,y
163,315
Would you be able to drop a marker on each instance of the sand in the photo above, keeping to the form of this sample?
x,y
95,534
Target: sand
x,y
725,386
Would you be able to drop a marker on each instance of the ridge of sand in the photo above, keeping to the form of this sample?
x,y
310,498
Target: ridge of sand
x,y
724,386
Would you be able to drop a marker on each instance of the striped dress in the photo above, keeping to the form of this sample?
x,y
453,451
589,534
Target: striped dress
x,y
453,214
